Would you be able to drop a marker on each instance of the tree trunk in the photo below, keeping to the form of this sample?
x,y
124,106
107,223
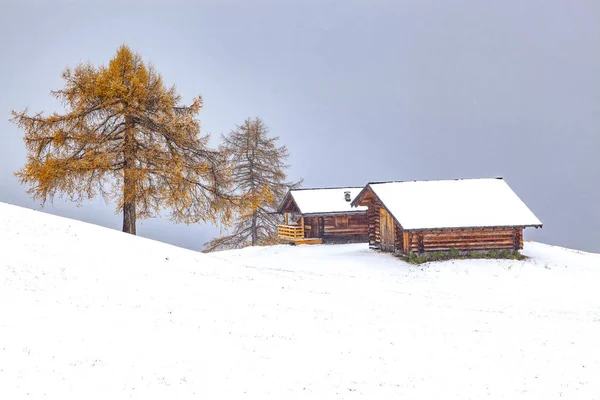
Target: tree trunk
x,y
129,181
129,218
252,187
254,233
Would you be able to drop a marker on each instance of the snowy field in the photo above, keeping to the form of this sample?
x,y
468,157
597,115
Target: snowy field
x,y
90,313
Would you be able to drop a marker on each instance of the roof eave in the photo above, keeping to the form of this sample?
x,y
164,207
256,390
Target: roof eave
x,y
358,196
334,213
380,201
284,201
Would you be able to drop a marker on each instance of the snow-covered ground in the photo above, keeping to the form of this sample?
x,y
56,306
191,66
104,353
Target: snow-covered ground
x,y
90,313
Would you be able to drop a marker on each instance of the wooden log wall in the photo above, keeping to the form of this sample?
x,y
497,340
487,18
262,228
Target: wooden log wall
x,y
312,227
374,219
399,239
387,231
373,222
464,239
518,245
345,228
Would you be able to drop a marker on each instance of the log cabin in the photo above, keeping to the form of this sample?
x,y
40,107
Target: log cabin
x,y
426,216
322,215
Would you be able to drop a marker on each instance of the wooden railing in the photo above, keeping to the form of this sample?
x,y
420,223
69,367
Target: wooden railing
x,y
290,232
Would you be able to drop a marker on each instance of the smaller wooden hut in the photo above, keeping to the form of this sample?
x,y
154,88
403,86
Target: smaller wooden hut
x,y
323,215
463,214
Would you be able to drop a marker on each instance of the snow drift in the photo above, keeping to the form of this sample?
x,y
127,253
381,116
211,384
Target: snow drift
x,y
90,313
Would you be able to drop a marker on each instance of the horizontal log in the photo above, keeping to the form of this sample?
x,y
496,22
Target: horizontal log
x,y
473,233
468,238
359,230
467,229
466,246
358,226
364,226
471,240
432,249
468,233
470,246
461,237
442,231
463,241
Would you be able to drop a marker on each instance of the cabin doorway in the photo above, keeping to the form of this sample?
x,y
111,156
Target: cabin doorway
x,y
315,227
315,231
321,225
387,230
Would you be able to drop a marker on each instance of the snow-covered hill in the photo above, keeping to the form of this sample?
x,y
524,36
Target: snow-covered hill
x,y
90,313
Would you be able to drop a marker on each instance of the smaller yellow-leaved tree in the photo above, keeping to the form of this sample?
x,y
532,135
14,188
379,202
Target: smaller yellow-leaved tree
x,y
259,182
125,136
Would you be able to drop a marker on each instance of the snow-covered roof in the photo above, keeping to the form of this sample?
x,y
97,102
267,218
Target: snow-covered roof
x,y
325,201
460,203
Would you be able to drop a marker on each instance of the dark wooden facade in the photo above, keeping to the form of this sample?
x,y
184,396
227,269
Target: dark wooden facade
x,y
386,234
350,227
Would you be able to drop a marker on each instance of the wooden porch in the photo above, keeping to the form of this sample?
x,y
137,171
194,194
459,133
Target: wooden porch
x,y
295,234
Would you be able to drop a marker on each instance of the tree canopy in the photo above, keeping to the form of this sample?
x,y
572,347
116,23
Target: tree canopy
x,y
259,181
125,136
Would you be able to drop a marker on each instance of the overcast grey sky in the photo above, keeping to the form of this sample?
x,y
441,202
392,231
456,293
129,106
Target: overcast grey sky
x,y
358,90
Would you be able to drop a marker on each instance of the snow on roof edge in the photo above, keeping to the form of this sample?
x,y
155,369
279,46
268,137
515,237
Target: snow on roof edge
x,y
324,214
327,188
468,204
324,201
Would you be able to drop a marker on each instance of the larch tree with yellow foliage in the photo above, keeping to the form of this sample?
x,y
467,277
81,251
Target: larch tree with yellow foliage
x,y
259,182
125,136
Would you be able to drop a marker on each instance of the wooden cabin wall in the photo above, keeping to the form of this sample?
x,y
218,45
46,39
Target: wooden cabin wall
x,y
290,207
464,239
312,227
348,228
399,239
387,231
373,222
351,228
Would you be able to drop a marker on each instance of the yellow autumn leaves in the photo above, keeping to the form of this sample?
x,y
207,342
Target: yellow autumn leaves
x,y
126,136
